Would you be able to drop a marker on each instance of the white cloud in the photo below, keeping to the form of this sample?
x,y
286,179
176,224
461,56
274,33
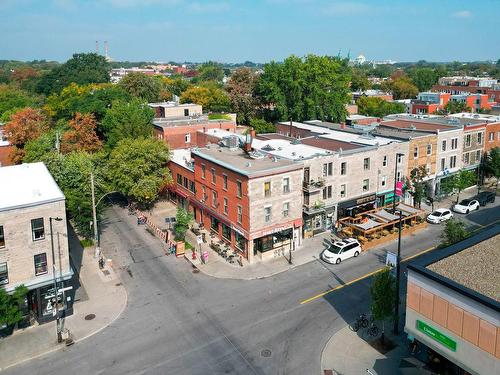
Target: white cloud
x,y
199,7
462,14
345,8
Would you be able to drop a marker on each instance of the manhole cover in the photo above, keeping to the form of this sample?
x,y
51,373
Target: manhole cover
x,y
196,270
89,316
265,353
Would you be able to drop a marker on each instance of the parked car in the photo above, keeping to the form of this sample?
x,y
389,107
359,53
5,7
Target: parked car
x,y
466,205
485,197
441,214
341,250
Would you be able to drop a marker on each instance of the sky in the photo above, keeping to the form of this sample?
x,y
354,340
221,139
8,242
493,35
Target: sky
x,y
254,30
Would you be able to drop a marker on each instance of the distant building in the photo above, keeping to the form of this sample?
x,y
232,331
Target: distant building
x,y
5,149
29,197
470,85
372,94
431,102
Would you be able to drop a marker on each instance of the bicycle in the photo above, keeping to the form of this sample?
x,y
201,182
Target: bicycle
x,y
361,321
373,330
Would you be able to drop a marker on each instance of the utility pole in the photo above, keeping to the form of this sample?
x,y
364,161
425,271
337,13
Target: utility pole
x,y
398,266
94,217
56,293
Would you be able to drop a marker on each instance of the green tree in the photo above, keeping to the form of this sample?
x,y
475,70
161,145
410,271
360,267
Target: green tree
x,y
211,97
82,68
492,163
454,231
10,312
401,87
241,87
13,99
378,107
316,87
454,106
416,184
359,81
137,168
182,220
176,84
423,78
262,126
210,71
36,149
463,180
142,86
383,294
131,119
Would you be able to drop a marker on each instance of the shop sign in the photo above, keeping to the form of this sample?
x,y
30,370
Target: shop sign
x,y
437,336
366,199
273,231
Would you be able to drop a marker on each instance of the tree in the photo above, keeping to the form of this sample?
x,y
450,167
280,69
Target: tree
x,y
383,294
454,106
176,84
401,87
24,126
316,87
182,220
10,312
13,99
241,87
262,126
132,119
378,107
36,149
92,98
82,135
82,68
142,86
423,78
463,180
492,163
137,168
210,97
359,81
454,231
416,185
210,71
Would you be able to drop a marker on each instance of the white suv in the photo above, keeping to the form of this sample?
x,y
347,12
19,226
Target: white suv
x,y
341,250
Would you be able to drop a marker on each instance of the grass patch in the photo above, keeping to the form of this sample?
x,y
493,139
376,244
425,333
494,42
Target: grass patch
x,y
86,242
219,116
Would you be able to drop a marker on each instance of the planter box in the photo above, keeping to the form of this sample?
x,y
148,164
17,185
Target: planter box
x,y
180,248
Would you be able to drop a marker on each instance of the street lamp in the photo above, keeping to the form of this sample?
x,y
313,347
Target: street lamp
x,y
398,155
398,266
58,325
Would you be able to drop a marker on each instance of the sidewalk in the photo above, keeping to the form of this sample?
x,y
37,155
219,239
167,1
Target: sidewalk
x,y
107,299
348,353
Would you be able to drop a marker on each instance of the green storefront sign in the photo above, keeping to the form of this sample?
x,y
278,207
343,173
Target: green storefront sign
x,y
436,335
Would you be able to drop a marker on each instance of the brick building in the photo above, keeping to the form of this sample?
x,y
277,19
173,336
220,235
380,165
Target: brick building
x,y
29,197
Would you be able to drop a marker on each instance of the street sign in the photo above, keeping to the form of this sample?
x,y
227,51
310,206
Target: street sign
x,y
391,259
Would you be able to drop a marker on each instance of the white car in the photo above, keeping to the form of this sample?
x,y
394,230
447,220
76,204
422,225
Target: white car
x,y
466,205
341,250
441,214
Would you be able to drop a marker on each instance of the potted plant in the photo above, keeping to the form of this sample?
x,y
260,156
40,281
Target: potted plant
x,y
182,220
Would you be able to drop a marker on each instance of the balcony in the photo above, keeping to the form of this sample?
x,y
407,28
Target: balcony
x,y
313,185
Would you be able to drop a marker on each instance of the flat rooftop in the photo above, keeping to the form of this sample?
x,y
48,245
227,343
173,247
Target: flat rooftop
x,y
240,162
398,133
172,104
169,122
475,267
414,124
182,157
27,185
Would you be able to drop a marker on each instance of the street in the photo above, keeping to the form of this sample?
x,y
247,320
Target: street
x,y
180,322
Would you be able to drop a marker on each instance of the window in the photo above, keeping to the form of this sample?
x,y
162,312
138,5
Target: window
x,y
327,169
212,172
187,138
203,171
429,149
214,224
225,205
224,182
37,229
186,111
467,140
453,161
239,241
267,189
443,164
226,231
366,164
2,237
286,209
239,190
185,182
192,186
286,185
343,168
443,146
454,143
480,138
478,156
179,179
327,192
466,158
491,136
366,184
204,193
4,274
383,181
415,152
214,199
342,191
240,214
267,214
384,162
40,264
400,158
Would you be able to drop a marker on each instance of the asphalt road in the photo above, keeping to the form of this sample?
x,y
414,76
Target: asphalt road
x,y
178,322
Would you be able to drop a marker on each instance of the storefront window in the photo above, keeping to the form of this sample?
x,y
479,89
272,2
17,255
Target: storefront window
x,y
214,224
240,241
273,241
226,232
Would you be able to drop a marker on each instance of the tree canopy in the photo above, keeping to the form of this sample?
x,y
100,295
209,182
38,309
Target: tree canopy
x,y
210,71
82,135
241,87
315,87
401,87
378,107
211,97
424,78
13,99
142,86
492,163
262,126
